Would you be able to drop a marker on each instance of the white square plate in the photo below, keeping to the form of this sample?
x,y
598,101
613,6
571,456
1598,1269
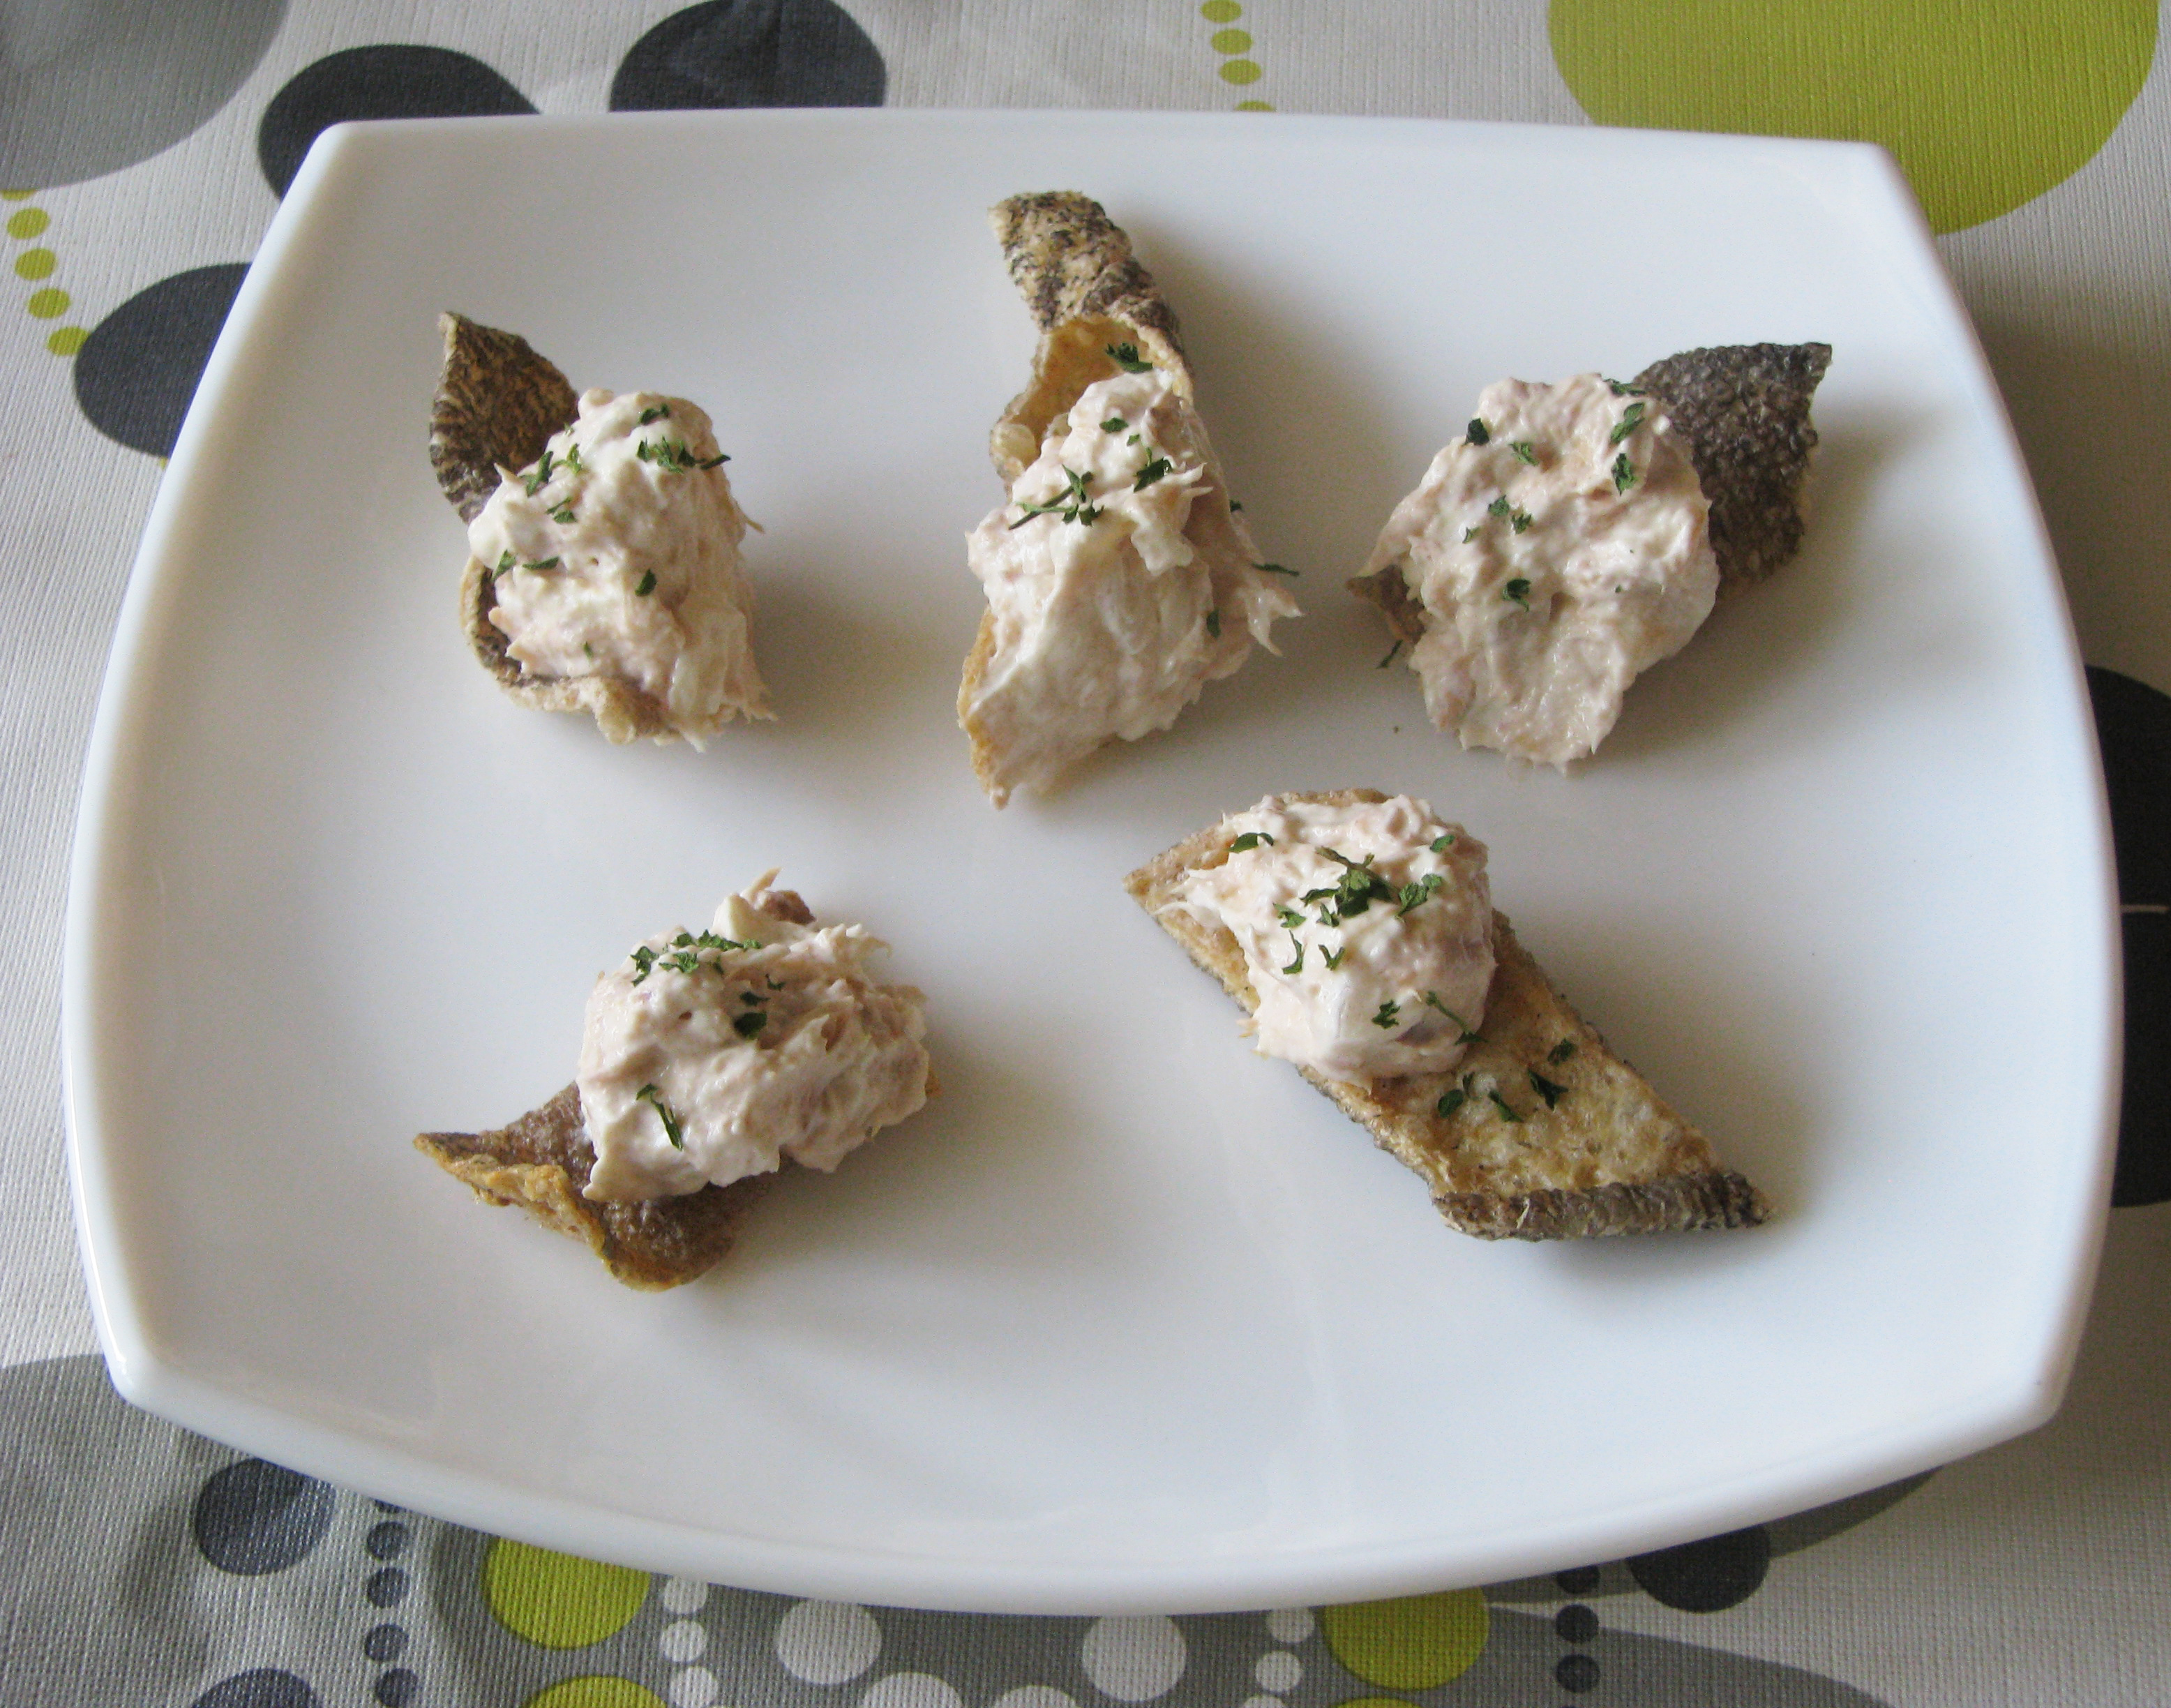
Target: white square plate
x,y
1129,1319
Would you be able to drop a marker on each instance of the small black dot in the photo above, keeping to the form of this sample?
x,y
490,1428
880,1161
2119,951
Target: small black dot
x,y
386,1642
1719,1572
386,1541
1576,1624
1576,1672
388,1588
397,1688
253,1517
1577,1580
260,1686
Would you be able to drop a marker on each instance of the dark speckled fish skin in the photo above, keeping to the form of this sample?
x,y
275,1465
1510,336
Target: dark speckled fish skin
x,y
1071,261
1745,409
497,404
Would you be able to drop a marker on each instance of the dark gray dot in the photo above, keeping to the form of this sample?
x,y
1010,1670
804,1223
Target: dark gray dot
x,y
397,1688
1705,1576
2133,732
263,1687
386,1642
1577,1580
388,1588
385,80
1576,1672
752,53
1575,1624
386,1541
387,1507
138,370
253,1517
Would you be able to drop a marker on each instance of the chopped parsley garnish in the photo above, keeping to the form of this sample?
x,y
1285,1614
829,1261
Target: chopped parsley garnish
x,y
1417,893
1443,842
1126,357
1115,424
504,563
1389,658
1431,1000
1525,451
1358,888
1500,1103
1498,507
1450,1101
649,1095
647,585
1272,568
750,1022
1479,433
1296,965
1287,916
1150,473
1631,419
542,563
1518,591
1234,506
1071,503
536,481
1561,1051
1214,623
1334,957
1519,520
563,515
1249,841
1624,473
653,412
716,462
670,455
573,459
1546,1089
1620,390
1385,1019
1469,533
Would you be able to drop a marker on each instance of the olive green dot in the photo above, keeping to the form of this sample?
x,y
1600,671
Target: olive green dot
x,y
1255,106
28,223
1417,1642
39,263
556,1601
1220,11
1232,71
594,1691
66,340
47,303
1225,41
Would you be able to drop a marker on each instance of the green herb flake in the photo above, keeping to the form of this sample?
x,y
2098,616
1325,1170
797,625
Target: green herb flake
x,y
1450,1102
542,563
1071,503
1332,957
1152,472
1115,424
1214,623
1126,357
573,459
1234,506
655,412
747,1025
670,455
1389,658
1524,451
536,481
1624,473
1561,1051
1631,419
1385,1019
1420,891
1287,916
1297,966
1357,888
1249,841
645,958
1518,591
1469,533
504,563
1546,1089
716,462
1479,433
1621,390
1274,568
563,515
649,1095
1431,1000
1500,1103
1443,842
1519,520
647,585
1498,507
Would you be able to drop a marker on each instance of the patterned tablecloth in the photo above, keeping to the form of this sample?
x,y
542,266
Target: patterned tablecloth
x,y
151,140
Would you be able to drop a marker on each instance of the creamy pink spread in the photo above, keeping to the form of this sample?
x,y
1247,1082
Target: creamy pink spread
x,y
1366,928
710,1057
1560,549
1119,580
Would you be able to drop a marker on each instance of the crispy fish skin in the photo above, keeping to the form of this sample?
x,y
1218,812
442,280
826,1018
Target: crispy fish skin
x,y
1606,1156
540,1164
497,404
1745,410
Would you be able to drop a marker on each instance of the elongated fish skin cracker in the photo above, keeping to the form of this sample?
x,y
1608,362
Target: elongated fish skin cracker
x,y
497,404
1745,410
540,1164
1603,1154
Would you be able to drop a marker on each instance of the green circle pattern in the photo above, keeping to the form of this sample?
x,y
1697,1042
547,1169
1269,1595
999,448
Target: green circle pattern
x,y
1417,1642
1985,105
595,1690
1230,42
556,1601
